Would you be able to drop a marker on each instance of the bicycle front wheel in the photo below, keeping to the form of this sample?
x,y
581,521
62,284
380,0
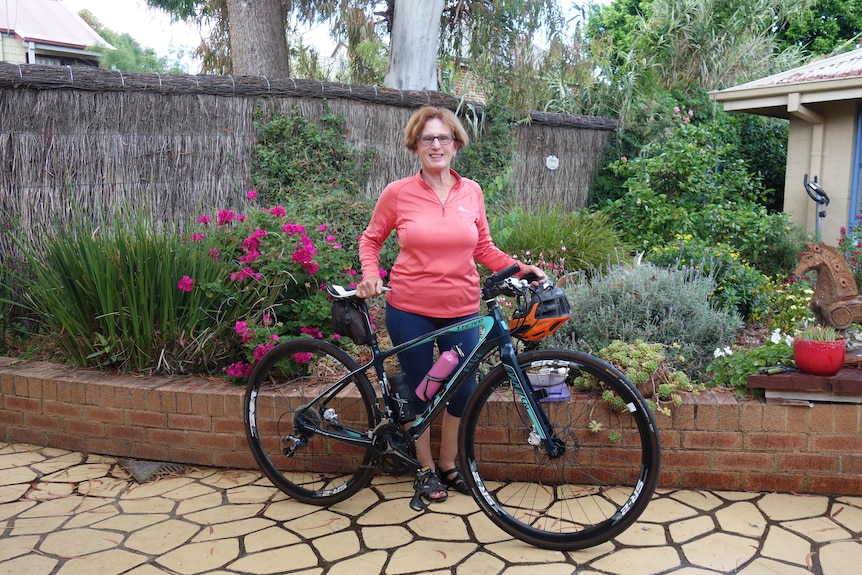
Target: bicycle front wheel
x,y
280,421
607,471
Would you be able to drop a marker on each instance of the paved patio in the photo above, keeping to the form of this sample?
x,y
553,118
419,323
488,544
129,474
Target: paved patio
x,y
68,513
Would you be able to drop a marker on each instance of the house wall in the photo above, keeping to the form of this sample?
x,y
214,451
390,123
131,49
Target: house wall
x,y
831,162
11,50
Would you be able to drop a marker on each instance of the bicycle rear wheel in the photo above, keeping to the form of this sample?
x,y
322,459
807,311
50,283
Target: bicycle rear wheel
x,y
602,481
308,466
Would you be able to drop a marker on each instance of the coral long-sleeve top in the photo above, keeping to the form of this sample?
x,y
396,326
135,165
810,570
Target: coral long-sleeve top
x,y
435,272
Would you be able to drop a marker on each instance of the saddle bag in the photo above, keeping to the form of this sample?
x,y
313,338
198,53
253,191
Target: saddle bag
x,y
348,320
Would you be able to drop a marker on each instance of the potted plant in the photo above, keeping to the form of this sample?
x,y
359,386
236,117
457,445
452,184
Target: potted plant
x,y
819,350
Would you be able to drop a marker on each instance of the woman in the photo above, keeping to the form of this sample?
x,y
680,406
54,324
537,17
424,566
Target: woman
x,y
442,231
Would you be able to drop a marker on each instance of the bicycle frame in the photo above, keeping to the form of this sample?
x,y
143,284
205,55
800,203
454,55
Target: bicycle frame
x,y
494,334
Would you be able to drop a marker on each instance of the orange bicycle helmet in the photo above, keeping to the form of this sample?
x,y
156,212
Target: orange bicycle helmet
x,y
539,313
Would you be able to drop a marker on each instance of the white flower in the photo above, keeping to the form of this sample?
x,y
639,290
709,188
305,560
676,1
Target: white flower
x,y
722,352
776,336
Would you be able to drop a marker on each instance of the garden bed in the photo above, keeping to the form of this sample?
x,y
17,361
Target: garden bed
x,y
712,441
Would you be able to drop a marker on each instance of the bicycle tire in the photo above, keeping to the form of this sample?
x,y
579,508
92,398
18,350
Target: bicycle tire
x,y
598,487
320,470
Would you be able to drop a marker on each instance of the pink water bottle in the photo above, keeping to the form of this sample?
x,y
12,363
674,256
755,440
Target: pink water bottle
x,y
442,368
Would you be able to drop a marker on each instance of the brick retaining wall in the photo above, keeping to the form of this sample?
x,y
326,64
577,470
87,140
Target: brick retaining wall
x,y
711,441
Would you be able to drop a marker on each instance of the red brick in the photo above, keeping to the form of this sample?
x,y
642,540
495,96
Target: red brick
x,y
711,440
192,456
722,480
821,417
229,426
11,418
808,463
190,422
146,418
67,441
798,419
235,460
767,482
837,443
26,404
774,418
167,436
45,422
110,446
751,416
683,416
775,442
217,441
85,428
706,417
26,435
744,461
104,415
845,418
62,409
687,459
125,432
833,484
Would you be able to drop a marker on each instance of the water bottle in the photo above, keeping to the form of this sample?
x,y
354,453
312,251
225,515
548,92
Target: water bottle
x,y
442,368
401,395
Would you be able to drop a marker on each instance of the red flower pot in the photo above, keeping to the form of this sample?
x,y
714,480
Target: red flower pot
x,y
819,357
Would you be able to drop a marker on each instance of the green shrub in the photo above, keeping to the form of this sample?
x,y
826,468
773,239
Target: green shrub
x,y
295,159
731,368
787,305
119,294
562,242
692,183
657,305
645,366
738,287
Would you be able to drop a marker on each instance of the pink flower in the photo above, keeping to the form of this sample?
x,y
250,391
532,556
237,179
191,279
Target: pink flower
x,y
225,217
293,229
312,331
330,238
322,228
278,211
214,253
251,194
676,109
239,369
241,218
204,219
240,326
261,350
186,284
196,237
382,272
302,358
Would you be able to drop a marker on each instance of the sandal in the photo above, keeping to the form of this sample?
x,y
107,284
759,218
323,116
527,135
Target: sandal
x,y
428,485
455,480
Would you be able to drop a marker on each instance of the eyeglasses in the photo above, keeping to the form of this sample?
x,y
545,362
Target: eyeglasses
x,y
444,140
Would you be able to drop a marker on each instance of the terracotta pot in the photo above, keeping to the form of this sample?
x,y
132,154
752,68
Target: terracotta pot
x,y
819,357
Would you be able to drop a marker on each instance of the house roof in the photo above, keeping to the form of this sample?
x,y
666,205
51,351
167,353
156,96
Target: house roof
x,y
47,22
785,94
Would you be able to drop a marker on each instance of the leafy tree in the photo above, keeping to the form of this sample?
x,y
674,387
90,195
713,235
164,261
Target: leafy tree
x,y
826,26
129,55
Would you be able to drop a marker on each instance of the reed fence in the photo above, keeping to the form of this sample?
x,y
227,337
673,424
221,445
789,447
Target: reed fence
x,y
182,144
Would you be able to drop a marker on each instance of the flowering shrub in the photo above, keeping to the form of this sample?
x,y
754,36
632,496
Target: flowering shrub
x,y
731,368
738,286
286,264
850,248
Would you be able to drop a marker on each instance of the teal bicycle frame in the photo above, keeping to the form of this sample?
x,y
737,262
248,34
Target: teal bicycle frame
x,y
494,334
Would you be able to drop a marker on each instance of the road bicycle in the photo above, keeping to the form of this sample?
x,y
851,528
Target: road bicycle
x,y
563,467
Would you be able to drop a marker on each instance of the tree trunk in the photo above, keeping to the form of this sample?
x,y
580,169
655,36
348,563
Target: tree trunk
x,y
258,46
413,45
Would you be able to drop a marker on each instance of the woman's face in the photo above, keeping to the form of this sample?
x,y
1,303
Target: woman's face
x,y
435,156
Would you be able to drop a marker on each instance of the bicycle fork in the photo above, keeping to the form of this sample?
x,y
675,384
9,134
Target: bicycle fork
x,y
542,433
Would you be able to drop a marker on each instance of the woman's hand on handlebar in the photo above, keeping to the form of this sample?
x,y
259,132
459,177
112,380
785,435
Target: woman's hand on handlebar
x,y
369,287
535,274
